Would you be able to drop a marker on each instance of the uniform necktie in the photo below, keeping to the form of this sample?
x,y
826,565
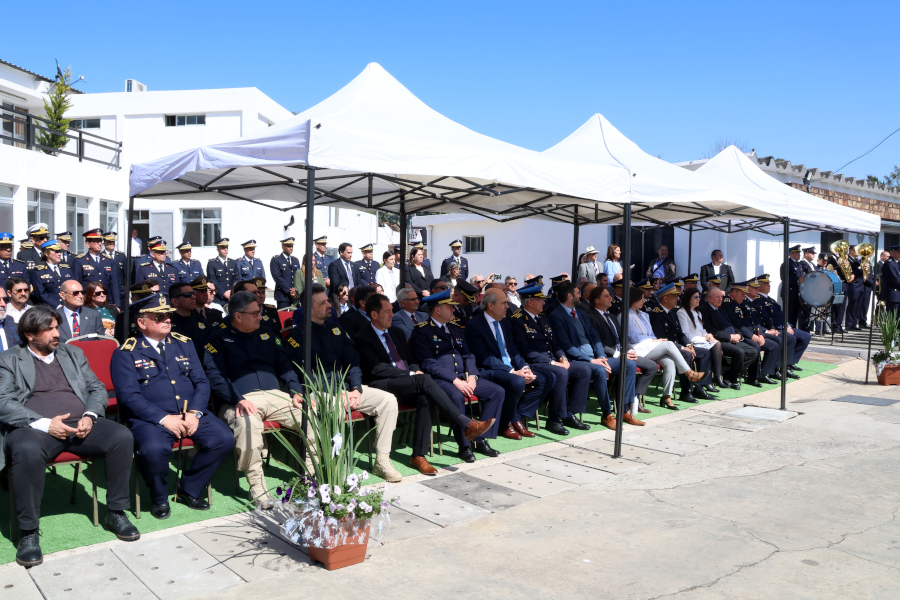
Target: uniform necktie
x,y
392,350
75,327
162,351
503,353
161,270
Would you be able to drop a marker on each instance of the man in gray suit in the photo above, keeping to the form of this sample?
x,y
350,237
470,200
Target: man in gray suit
x,y
408,316
590,268
77,319
51,402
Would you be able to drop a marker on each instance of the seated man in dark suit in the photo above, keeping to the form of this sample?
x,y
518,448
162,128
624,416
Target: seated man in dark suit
x,y
718,269
51,402
78,319
607,327
435,344
353,321
388,365
738,313
581,343
409,314
744,357
534,338
489,336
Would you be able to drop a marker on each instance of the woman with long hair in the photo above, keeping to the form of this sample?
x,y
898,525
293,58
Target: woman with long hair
x,y
611,265
340,301
96,296
452,275
300,278
388,276
417,274
664,352
692,325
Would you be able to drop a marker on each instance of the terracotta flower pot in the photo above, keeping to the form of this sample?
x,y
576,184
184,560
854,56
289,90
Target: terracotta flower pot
x,y
890,375
341,556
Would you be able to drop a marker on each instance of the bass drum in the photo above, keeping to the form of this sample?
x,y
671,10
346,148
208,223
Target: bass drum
x,y
821,288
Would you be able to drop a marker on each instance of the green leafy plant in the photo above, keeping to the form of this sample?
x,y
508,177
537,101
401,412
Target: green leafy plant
x,y
889,323
55,106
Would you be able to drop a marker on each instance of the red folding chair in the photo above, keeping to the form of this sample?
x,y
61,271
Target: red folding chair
x,y
186,445
287,316
98,351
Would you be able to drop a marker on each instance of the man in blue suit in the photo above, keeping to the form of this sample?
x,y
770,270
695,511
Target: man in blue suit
x,y
164,395
344,271
456,257
409,315
435,344
582,344
490,339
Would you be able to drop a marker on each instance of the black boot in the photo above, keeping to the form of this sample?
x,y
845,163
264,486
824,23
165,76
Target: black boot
x,y
118,523
28,552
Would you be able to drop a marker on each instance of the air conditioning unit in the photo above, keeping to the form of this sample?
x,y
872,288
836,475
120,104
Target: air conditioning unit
x,y
133,85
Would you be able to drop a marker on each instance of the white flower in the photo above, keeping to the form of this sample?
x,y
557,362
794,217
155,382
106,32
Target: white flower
x,y
364,475
365,507
311,493
326,497
337,491
352,481
336,441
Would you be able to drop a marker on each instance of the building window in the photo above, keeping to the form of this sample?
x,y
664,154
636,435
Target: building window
x,y
77,221
6,208
474,244
109,216
85,124
182,120
201,226
40,208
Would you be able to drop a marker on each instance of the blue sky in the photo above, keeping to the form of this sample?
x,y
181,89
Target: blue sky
x,y
812,82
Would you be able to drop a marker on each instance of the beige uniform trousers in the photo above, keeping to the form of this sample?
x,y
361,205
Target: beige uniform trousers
x,y
275,405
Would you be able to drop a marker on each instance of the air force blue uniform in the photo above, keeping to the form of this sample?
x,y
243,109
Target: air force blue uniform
x,y
150,270
773,318
248,268
223,275
12,268
149,390
45,283
187,272
367,270
86,269
283,269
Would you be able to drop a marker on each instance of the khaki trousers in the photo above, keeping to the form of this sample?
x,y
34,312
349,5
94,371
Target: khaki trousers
x,y
275,405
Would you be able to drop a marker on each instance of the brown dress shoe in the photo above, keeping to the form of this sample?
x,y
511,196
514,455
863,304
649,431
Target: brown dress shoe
x,y
511,433
695,376
609,421
476,429
631,420
522,430
419,462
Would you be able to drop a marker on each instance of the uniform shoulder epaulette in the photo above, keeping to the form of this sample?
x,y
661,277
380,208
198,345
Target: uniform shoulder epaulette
x,y
39,267
63,265
422,324
656,309
144,264
17,260
517,314
180,337
82,255
128,346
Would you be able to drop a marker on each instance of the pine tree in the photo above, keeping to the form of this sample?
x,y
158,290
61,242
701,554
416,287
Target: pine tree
x,y
56,105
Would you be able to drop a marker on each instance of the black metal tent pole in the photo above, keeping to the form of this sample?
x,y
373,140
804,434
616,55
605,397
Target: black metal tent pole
x,y
785,289
690,246
307,288
126,328
871,323
623,353
403,255
575,245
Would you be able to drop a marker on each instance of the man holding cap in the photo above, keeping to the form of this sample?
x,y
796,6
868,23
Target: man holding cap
x,y
9,266
158,269
248,266
283,267
222,271
93,265
188,269
456,257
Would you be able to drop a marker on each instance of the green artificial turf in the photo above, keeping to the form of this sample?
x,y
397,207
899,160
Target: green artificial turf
x,y
65,526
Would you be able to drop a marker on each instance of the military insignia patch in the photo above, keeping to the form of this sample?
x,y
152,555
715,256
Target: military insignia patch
x,y
201,325
336,331
264,336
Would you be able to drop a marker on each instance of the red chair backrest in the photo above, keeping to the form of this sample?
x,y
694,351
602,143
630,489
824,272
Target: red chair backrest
x,y
99,356
286,317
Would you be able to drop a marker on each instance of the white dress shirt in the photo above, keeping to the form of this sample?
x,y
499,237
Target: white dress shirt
x,y
501,341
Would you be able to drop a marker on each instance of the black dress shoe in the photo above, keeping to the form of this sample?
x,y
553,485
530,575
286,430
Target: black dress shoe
x,y
161,511
663,404
28,552
190,501
719,381
467,455
701,393
792,375
556,427
796,368
754,383
118,523
687,397
482,447
712,389
767,379
574,423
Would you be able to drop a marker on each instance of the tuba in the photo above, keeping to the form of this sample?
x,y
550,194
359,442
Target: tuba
x,y
839,249
865,252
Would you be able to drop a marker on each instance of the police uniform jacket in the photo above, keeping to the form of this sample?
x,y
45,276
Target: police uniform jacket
x,y
283,269
148,389
118,259
856,269
665,324
367,270
45,283
150,270
238,363
270,319
534,338
192,326
331,346
30,256
463,266
249,268
890,281
86,270
739,318
462,315
442,354
223,275
12,268
188,272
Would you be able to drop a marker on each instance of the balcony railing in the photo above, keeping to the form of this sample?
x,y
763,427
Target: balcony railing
x,y
21,129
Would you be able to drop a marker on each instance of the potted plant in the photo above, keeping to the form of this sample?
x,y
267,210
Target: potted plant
x,y
334,510
887,361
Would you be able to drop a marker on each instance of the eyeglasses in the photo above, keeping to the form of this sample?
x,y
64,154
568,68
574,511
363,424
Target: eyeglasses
x,y
211,290
253,314
75,293
512,283
157,317
99,293
186,294
478,281
20,290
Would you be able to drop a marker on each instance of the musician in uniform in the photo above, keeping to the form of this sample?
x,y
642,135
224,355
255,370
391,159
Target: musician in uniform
x,y
765,328
118,258
890,281
838,311
9,266
164,395
93,265
456,257
323,260
65,240
222,271
283,267
47,277
248,266
790,276
807,265
740,319
773,317
188,268
158,268
31,256
857,306
367,266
